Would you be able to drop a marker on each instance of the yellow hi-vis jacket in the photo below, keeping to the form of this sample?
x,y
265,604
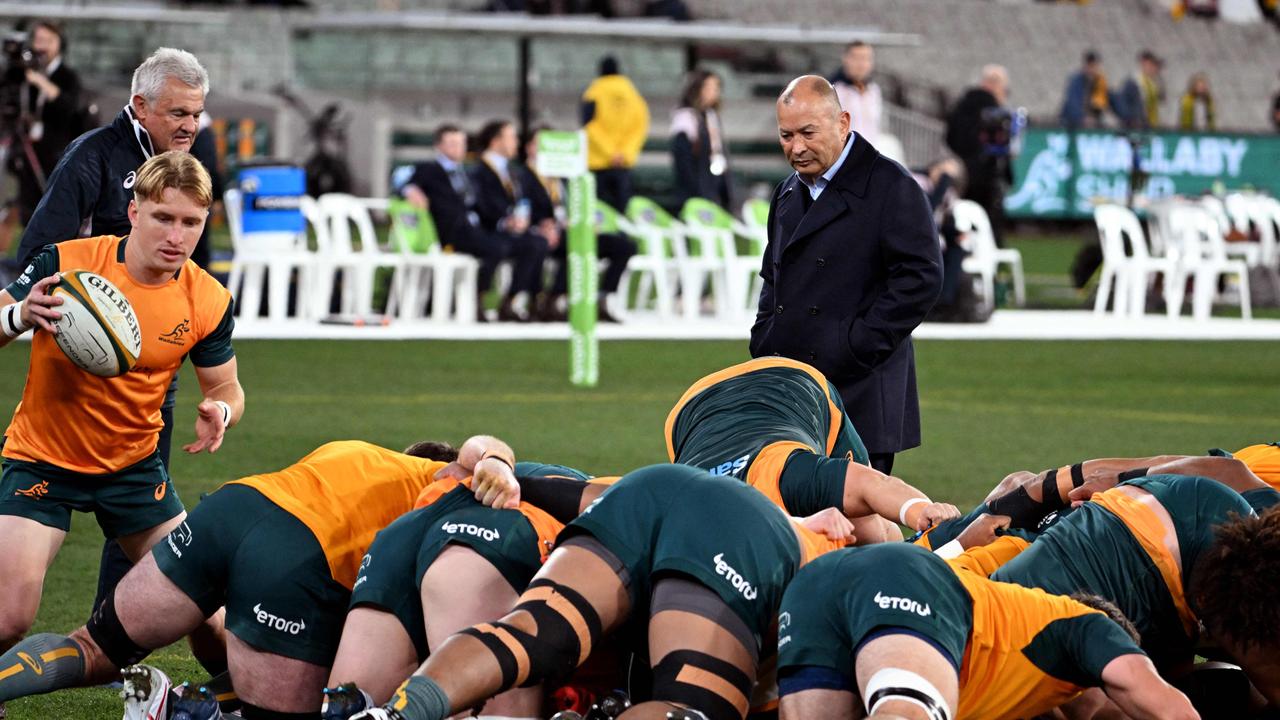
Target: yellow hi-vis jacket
x,y
620,123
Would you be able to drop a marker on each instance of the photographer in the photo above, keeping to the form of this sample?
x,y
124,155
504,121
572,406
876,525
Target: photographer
x,y
979,131
40,110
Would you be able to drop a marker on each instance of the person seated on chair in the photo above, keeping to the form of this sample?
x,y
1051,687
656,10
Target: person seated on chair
x,y
503,205
547,197
443,187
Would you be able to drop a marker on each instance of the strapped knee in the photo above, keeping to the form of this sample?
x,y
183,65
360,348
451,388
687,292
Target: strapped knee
x,y
105,629
705,683
893,684
566,627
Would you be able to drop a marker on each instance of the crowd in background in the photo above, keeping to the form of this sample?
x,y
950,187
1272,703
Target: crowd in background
x,y
1139,103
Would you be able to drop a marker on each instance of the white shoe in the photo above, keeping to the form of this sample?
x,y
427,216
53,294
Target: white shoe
x,y
145,693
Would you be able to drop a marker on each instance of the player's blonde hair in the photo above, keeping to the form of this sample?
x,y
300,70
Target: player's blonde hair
x,y
173,169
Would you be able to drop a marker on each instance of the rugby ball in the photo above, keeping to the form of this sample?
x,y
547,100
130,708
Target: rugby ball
x,y
98,330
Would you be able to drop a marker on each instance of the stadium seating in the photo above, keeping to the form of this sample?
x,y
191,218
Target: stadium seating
x,y
356,256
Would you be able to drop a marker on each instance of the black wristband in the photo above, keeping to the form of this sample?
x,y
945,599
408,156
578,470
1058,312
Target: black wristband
x,y
1133,474
559,497
1077,474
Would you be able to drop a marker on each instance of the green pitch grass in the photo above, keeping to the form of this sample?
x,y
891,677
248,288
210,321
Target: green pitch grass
x,y
989,408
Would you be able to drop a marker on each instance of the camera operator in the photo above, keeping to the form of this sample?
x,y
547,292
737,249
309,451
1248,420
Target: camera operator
x,y
979,132
43,115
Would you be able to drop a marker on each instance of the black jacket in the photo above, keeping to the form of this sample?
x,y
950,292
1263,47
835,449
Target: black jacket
x,y
847,282
448,207
90,189
494,201
60,118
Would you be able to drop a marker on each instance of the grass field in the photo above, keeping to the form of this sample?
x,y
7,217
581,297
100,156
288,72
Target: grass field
x,y
988,407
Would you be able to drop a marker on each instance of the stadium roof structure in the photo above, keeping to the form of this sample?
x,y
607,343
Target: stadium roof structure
x,y
656,29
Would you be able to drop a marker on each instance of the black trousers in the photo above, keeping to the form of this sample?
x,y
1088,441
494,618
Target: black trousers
x,y
617,249
488,250
613,187
882,462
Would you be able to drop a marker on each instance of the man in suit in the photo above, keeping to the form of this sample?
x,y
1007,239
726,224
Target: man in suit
x,y
852,266
444,187
504,208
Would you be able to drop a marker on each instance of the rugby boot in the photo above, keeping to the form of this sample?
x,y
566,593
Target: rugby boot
x,y
196,703
343,702
147,693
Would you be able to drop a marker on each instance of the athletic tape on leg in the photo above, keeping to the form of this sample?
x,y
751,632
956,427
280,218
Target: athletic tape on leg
x,y
105,629
566,628
703,682
903,685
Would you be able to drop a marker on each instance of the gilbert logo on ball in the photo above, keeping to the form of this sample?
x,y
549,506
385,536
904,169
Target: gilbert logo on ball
x,y
98,330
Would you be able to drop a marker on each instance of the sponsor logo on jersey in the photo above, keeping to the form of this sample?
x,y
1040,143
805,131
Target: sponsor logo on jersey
x,y
888,602
735,578
181,534
130,179
731,467
160,491
487,534
175,336
36,491
275,622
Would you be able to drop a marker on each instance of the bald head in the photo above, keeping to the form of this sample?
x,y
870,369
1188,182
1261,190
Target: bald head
x,y
995,80
810,89
811,126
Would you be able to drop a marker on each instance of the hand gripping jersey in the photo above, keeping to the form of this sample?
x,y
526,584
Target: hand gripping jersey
x,y
94,425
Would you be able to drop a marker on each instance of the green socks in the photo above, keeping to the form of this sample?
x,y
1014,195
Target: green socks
x,y
420,698
39,664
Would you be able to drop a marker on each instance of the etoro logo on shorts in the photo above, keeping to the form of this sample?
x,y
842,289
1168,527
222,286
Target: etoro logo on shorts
x,y
887,602
735,579
293,627
484,533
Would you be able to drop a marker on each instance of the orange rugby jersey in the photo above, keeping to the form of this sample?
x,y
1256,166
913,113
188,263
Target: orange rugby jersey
x,y
1263,461
1012,625
345,492
95,425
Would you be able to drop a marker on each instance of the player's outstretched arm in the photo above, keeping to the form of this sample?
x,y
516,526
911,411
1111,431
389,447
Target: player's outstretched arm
x,y
1228,471
868,491
1132,683
222,406
37,310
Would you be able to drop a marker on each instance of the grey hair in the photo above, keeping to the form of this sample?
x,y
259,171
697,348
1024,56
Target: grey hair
x,y
150,77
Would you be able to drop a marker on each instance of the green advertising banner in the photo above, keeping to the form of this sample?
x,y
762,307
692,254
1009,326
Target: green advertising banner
x,y
564,155
584,281
1061,175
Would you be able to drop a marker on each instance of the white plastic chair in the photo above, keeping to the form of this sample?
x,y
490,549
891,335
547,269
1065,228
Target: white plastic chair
x,y
1131,271
1204,259
273,254
357,263
717,233
451,278
1232,213
984,256
656,262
